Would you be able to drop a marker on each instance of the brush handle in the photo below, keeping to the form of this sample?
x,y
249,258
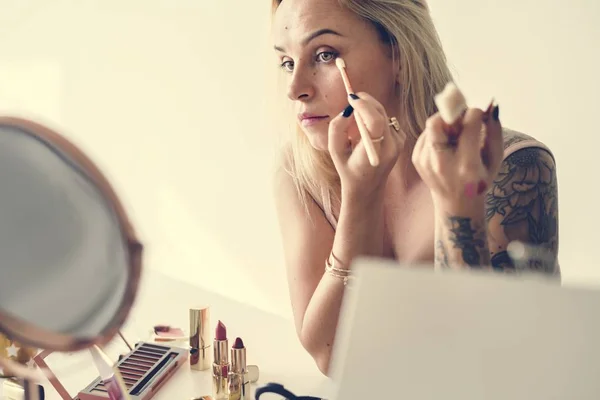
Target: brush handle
x,y
362,129
367,141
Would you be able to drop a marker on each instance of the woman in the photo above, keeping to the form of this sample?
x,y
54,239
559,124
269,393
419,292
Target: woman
x,y
428,201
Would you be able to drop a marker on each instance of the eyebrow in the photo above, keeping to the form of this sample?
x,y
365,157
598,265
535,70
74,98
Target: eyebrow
x,y
313,36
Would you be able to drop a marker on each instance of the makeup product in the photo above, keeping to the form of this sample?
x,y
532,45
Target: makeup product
x,y
221,366
165,333
451,104
364,133
111,379
202,398
144,371
200,338
238,389
252,373
14,390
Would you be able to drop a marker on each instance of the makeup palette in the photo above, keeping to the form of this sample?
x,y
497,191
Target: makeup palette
x,y
144,371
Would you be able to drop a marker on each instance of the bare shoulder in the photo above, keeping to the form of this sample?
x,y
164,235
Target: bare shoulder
x,y
512,137
528,161
523,201
516,140
525,154
296,201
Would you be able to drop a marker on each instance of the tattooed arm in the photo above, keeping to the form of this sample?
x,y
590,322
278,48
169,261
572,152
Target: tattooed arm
x,y
462,240
522,205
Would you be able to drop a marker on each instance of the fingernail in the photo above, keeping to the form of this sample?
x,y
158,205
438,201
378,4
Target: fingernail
x,y
496,113
488,111
353,96
470,190
481,187
347,111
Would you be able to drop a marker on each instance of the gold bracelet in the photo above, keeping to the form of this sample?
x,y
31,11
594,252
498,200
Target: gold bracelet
x,y
344,274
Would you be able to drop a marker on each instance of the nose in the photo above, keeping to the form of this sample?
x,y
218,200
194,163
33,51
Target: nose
x,y
301,86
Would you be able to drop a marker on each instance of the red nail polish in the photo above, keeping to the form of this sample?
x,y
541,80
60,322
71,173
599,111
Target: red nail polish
x,y
481,187
470,190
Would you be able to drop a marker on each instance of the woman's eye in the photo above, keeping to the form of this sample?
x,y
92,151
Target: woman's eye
x,y
326,56
287,66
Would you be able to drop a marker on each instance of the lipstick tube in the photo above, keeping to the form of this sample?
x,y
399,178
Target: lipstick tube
x,y
221,366
252,374
238,382
200,338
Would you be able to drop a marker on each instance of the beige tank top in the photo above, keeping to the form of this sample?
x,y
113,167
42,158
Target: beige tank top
x,y
513,142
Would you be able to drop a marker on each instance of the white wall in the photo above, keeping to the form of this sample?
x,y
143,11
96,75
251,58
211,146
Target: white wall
x,y
541,61
169,97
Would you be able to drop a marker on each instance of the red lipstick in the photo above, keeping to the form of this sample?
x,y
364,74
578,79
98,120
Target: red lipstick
x,y
238,389
221,364
221,332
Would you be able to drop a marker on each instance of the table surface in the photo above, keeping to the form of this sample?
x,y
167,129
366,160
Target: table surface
x,y
270,340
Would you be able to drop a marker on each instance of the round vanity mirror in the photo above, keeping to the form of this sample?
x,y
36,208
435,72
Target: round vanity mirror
x,y
70,259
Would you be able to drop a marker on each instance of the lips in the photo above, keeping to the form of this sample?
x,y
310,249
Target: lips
x,y
308,119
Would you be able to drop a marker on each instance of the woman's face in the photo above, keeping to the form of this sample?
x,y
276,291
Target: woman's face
x,y
309,35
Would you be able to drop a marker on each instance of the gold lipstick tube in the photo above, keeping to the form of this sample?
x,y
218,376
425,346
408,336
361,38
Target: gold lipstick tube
x,y
221,369
238,384
200,338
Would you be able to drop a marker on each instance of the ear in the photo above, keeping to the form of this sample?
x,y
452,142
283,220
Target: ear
x,y
396,60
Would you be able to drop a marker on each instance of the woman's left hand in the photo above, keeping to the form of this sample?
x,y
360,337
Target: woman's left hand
x,y
459,174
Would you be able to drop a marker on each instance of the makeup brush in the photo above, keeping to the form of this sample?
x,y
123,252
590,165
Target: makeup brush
x,y
451,104
364,134
452,107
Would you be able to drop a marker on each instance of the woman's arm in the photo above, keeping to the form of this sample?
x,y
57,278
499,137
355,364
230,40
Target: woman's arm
x,y
316,296
521,205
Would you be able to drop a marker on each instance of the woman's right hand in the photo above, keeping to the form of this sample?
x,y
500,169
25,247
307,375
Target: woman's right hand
x,y
358,177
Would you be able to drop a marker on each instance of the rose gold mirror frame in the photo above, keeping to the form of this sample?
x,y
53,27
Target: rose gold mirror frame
x,y
28,333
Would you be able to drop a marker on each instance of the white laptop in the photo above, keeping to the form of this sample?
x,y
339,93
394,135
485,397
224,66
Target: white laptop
x,y
412,333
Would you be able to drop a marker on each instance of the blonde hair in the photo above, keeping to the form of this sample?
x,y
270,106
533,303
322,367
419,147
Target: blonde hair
x,y
408,27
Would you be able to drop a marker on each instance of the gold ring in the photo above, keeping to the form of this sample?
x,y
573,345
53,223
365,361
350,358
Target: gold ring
x,y
377,140
394,124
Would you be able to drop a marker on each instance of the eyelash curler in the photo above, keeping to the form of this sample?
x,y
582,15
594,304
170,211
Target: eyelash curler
x,y
276,388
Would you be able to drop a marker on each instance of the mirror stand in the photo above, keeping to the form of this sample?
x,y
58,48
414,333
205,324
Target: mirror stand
x,y
30,378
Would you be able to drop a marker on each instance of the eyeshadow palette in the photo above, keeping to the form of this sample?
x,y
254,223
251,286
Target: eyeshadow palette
x,y
144,371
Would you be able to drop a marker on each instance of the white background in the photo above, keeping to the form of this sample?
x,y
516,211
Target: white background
x,y
171,99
